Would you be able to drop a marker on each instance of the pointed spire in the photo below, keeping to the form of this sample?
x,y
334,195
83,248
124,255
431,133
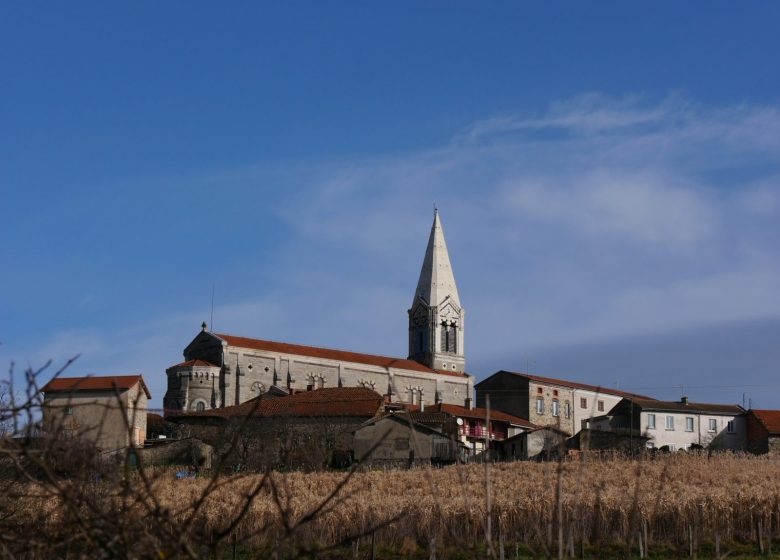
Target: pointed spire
x,y
437,281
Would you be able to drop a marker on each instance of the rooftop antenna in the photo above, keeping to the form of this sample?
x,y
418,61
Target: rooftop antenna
x,y
211,322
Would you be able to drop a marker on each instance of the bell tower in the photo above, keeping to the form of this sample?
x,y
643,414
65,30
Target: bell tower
x,y
436,316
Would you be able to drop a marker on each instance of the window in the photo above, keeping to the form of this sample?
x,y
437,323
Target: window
x,y
672,447
583,403
650,445
567,410
539,405
555,408
730,427
448,337
539,390
670,423
688,423
713,425
69,410
200,407
651,421
601,406
555,393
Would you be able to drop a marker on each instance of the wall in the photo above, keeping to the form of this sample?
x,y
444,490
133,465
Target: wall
x,y
97,417
391,442
508,393
591,408
550,393
682,439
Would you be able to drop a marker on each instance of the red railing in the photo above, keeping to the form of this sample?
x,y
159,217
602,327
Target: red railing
x,y
480,431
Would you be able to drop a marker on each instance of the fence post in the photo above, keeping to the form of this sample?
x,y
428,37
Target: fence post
x,y
373,544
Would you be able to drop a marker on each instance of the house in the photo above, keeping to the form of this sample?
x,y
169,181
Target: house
x,y
106,412
221,369
763,431
305,429
545,401
677,425
471,425
536,443
396,440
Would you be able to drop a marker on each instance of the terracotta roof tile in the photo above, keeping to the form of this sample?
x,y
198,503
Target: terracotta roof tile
x,y
94,383
479,413
327,402
331,354
195,363
770,419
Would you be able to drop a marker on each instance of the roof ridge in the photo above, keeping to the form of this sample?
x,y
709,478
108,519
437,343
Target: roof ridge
x,y
317,347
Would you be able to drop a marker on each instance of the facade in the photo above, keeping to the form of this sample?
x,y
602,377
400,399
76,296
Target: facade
x,y
763,431
472,429
678,425
537,443
396,440
223,370
108,413
545,401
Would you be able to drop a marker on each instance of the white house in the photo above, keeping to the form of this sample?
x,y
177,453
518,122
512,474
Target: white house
x,y
678,424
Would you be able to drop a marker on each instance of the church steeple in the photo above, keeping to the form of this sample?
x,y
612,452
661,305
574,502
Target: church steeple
x,y
436,316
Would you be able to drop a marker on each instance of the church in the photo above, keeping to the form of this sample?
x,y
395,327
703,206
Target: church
x,y
222,369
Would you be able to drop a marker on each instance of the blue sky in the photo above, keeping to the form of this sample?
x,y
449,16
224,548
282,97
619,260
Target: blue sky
x,y
608,176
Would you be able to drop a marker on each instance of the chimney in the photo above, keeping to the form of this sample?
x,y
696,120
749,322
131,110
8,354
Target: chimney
x,y
684,400
468,403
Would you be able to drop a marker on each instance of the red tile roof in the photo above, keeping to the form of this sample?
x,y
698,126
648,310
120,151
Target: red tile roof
x,y
479,414
575,385
770,419
330,402
93,383
194,363
330,354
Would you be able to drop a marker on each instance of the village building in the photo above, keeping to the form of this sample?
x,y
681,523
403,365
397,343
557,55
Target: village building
x,y
620,441
470,425
108,412
678,425
308,429
763,431
396,440
222,370
545,401
537,443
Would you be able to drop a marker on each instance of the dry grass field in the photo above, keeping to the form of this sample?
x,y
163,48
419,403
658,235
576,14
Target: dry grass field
x,y
682,503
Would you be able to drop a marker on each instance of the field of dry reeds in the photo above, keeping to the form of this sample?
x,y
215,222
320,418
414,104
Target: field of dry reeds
x,y
678,502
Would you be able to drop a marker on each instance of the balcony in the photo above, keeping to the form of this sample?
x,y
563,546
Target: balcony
x,y
480,432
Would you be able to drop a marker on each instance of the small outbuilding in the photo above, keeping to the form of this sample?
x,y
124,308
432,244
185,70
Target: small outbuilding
x,y
763,431
538,443
396,440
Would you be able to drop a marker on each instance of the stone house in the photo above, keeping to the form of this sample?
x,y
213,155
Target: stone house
x,y
309,429
677,425
545,401
222,370
536,443
396,440
108,412
763,431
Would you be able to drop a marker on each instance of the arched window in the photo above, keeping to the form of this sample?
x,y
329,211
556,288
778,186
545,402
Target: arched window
x,y
449,337
200,406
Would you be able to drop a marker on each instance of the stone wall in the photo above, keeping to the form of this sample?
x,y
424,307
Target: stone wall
x,y
548,395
